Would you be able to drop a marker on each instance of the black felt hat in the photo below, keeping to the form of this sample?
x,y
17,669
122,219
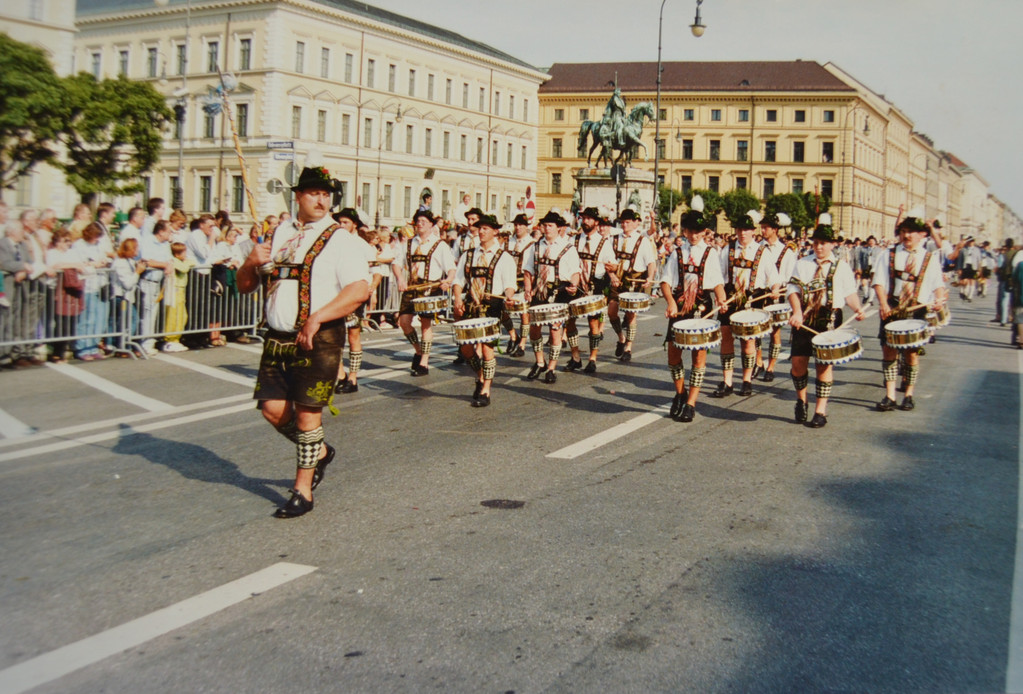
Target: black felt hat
x,y
316,177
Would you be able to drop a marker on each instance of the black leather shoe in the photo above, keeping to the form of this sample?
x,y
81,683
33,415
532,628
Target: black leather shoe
x,y
418,370
535,371
417,359
476,390
573,364
886,404
550,377
591,367
348,387
482,401
901,388
459,360
339,387
907,403
321,465
746,389
921,351
768,376
519,351
676,404
800,411
619,349
296,506
817,422
723,391
687,413
758,371
627,356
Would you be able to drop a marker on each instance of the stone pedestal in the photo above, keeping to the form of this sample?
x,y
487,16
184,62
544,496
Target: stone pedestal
x,y
596,188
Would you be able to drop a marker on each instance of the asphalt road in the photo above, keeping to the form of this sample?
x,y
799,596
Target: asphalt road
x,y
739,553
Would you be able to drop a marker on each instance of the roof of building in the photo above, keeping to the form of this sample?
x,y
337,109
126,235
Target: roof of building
x,y
755,76
361,9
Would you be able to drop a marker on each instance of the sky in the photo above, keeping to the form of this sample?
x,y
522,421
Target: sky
x,y
954,67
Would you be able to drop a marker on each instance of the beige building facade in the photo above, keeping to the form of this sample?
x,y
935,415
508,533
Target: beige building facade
x,y
394,108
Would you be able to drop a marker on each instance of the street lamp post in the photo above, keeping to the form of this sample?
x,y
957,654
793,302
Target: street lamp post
x,y
180,109
866,131
697,28
380,153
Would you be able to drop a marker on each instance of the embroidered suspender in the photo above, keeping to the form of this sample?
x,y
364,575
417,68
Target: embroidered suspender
x,y
555,263
894,274
592,257
304,272
487,271
426,259
518,255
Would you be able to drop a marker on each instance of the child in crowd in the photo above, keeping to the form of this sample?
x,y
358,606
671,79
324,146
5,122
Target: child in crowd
x,y
177,315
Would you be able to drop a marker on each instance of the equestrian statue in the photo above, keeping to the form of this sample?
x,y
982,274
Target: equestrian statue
x,y
617,135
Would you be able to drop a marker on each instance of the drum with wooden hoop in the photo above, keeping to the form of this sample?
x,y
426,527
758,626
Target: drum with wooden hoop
x,y
906,334
750,323
837,346
944,316
696,333
780,314
591,305
473,331
429,305
634,302
517,305
548,314
933,322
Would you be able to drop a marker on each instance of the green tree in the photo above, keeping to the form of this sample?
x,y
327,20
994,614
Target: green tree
x,y
112,133
816,205
668,201
738,202
30,93
792,205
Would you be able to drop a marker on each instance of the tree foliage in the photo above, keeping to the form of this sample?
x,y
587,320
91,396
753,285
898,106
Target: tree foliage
x,y
816,205
792,205
30,99
736,203
112,133
667,202
711,200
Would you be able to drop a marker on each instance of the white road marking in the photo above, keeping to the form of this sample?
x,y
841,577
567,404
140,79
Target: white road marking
x,y
608,435
13,429
55,664
110,388
1014,668
212,371
254,349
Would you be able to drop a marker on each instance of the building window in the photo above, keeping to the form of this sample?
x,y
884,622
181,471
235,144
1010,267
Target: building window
x,y
296,122
744,115
465,95
509,155
245,54
798,151
182,59
428,142
151,58
770,150
430,80
479,199
174,188
209,123
740,182
829,116
742,150
772,115
525,109
556,184
826,188
497,103
715,114
349,66
299,56
205,193
493,153
511,106
768,187
660,148
237,194
212,56
687,149
387,201
800,116
447,145
479,153
241,119
321,125
122,63
715,150
689,114
411,82
346,129
324,63
797,186
409,138
367,132
713,183
483,100
389,136
367,199
408,202
522,163
371,73
463,147
392,77
584,114
559,114
828,152
35,10
687,183
556,148
662,114
97,62
447,92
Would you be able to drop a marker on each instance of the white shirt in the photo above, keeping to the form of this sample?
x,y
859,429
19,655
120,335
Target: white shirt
x,y
567,266
339,264
694,255
772,251
843,283
767,274
930,282
151,249
588,244
644,256
129,231
85,252
504,272
441,262
527,247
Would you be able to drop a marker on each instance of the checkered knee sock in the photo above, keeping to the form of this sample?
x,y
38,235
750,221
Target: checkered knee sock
x,y
489,369
890,370
289,431
912,371
413,338
573,341
354,361
696,375
595,339
630,333
799,382
749,361
553,353
774,352
308,447
426,346
506,322
537,346
822,388
727,362
678,371
616,324
474,362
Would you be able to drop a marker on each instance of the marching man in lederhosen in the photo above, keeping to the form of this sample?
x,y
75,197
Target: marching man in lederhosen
x,y
556,280
316,275
634,270
778,253
487,274
521,246
820,285
595,251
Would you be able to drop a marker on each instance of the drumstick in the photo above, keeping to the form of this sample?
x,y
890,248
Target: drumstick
x,y
425,285
865,315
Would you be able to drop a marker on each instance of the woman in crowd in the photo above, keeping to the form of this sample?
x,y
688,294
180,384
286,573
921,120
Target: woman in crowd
x,y
125,279
93,320
68,295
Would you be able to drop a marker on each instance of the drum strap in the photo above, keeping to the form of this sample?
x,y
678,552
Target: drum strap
x,y
425,258
303,273
518,255
554,279
623,255
590,258
829,292
485,272
904,276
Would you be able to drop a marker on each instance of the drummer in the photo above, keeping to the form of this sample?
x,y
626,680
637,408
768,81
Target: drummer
x,y
595,251
690,282
820,285
908,283
634,271
423,266
781,255
748,275
521,246
471,238
348,382
556,271
488,271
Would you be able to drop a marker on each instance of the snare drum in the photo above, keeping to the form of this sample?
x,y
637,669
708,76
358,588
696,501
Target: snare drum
x,y
944,316
476,330
750,323
548,314
932,322
633,302
429,305
517,306
591,305
780,314
696,333
837,346
906,334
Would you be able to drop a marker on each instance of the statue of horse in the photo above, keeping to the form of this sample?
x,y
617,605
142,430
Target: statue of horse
x,y
633,132
601,134
618,145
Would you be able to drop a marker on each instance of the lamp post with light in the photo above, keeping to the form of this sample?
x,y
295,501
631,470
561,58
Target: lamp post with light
x,y
697,28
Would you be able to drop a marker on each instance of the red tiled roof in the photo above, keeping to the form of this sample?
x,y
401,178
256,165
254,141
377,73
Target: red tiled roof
x,y
796,75
956,161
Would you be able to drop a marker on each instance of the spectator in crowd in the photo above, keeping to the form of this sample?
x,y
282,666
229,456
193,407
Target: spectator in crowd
x,y
155,210
179,227
156,252
93,321
48,222
68,295
176,313
80,218
225,260
132,228
4,217
21,271
283,217
125,278
104,218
